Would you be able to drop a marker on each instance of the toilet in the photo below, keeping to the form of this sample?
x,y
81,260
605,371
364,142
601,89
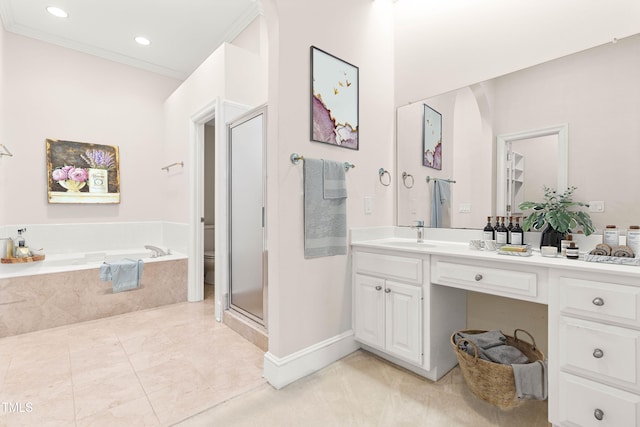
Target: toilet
x,y
209,254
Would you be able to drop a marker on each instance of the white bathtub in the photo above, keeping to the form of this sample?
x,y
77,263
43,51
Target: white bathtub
x,y
57,263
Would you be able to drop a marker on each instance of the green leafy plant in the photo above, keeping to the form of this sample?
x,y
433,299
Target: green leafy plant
x,y
558,212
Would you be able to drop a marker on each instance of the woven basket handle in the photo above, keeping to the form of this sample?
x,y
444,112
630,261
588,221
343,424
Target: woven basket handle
x,y
533,341
475,350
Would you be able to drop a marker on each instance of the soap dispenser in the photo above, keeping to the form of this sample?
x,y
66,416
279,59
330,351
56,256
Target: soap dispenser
x,y
20,246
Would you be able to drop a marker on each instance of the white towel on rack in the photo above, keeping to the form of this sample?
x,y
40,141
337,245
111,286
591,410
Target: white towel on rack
x,y
325,219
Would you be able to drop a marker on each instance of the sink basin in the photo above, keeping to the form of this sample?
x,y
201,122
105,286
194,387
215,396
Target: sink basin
x,y
408,244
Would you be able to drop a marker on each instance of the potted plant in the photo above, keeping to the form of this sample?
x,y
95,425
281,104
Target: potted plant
x,y
558,213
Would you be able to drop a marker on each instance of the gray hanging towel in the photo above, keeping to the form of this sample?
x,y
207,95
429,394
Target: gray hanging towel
x,y
325,208
439,203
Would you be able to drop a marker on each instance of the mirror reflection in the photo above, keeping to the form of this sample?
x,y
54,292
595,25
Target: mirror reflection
x,y
594,92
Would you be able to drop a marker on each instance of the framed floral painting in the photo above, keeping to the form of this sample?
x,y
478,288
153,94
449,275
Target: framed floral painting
x,y
432,138
80,172
334,100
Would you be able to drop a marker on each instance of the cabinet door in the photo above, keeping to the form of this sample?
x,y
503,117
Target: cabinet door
x,y
403,330
369,310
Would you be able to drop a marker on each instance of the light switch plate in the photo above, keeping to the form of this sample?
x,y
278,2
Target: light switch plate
x,y
368,205
464,207
597,206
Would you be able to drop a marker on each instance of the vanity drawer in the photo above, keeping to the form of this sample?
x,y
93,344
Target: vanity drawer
x,y
389,266
600,300
609,353
588,404
475,277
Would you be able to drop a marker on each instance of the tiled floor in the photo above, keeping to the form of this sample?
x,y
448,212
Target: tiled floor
x,y
147,368
175,365
362,390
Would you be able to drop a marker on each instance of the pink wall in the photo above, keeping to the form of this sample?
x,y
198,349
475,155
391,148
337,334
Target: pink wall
x,y
310,300
3,159
230,73
53,92
441,46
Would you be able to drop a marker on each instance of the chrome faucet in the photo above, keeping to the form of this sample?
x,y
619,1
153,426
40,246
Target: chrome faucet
x,y
156,251
420,230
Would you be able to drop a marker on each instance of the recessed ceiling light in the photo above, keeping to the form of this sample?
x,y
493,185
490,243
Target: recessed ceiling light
x,y
143,41
56,11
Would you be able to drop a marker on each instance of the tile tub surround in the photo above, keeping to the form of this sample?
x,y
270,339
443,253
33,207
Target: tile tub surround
x,y
32,303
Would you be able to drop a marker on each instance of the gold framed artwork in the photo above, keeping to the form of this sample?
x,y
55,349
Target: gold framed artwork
x,y
81,172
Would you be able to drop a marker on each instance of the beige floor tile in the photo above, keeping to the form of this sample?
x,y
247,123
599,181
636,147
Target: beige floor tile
x,y
362,390
98,396
136,413
47,405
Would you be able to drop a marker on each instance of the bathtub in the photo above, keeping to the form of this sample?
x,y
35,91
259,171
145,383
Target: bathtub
x,y
57,263
66,288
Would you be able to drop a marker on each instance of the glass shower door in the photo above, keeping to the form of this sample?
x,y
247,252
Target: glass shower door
x,y
247,246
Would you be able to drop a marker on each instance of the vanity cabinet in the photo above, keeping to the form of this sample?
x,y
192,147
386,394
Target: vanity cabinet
x,y
388,316
598,349
394,315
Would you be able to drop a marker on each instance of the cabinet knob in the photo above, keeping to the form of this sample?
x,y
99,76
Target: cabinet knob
x,y
598,414
387,290
598,301
597,353
378,288
478,277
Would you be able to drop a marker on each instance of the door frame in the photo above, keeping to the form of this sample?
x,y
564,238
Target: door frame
x,y
222,111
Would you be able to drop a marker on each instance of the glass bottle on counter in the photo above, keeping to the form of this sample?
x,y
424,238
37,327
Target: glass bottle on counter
x,y
633,239
610,235
488,233
509,228
517,233
501,234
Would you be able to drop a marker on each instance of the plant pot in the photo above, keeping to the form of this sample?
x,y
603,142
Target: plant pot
x,y
551,237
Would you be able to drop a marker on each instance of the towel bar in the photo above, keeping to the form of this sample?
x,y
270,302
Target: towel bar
x,y
295,158
440,179
172,165
5,151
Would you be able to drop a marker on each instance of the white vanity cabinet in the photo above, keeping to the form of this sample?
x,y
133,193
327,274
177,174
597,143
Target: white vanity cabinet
x,y
598,349
393,314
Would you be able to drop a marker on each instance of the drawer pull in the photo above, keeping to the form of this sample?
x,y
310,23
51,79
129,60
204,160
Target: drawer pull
x,y
598,301
598,414
478,277
378,288
597,353
387,290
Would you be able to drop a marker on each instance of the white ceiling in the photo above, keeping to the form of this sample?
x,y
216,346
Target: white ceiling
x,y
182,33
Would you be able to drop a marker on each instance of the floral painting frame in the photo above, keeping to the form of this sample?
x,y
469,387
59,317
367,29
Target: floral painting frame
x,y
334,100
81,172
432,138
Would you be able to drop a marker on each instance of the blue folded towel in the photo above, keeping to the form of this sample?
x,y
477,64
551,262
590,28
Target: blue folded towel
x,y
124,275
440,203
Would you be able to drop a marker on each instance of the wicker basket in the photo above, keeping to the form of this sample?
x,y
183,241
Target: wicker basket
x,y
494,382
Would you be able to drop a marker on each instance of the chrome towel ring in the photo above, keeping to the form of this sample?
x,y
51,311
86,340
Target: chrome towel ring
x,y
381,173
405,177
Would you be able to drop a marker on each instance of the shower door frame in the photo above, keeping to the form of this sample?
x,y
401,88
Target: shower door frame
x,y
246,117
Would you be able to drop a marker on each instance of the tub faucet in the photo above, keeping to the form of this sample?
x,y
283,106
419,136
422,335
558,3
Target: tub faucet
x,y
420,230
156,251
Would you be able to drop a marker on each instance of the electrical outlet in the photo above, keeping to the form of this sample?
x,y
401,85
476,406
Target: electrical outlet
x,y
464,207
597,206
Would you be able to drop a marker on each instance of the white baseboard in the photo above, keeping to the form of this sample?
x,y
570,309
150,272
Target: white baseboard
x,y
282,371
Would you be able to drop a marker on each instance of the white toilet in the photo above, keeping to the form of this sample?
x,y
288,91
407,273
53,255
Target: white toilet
x,y
209,254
